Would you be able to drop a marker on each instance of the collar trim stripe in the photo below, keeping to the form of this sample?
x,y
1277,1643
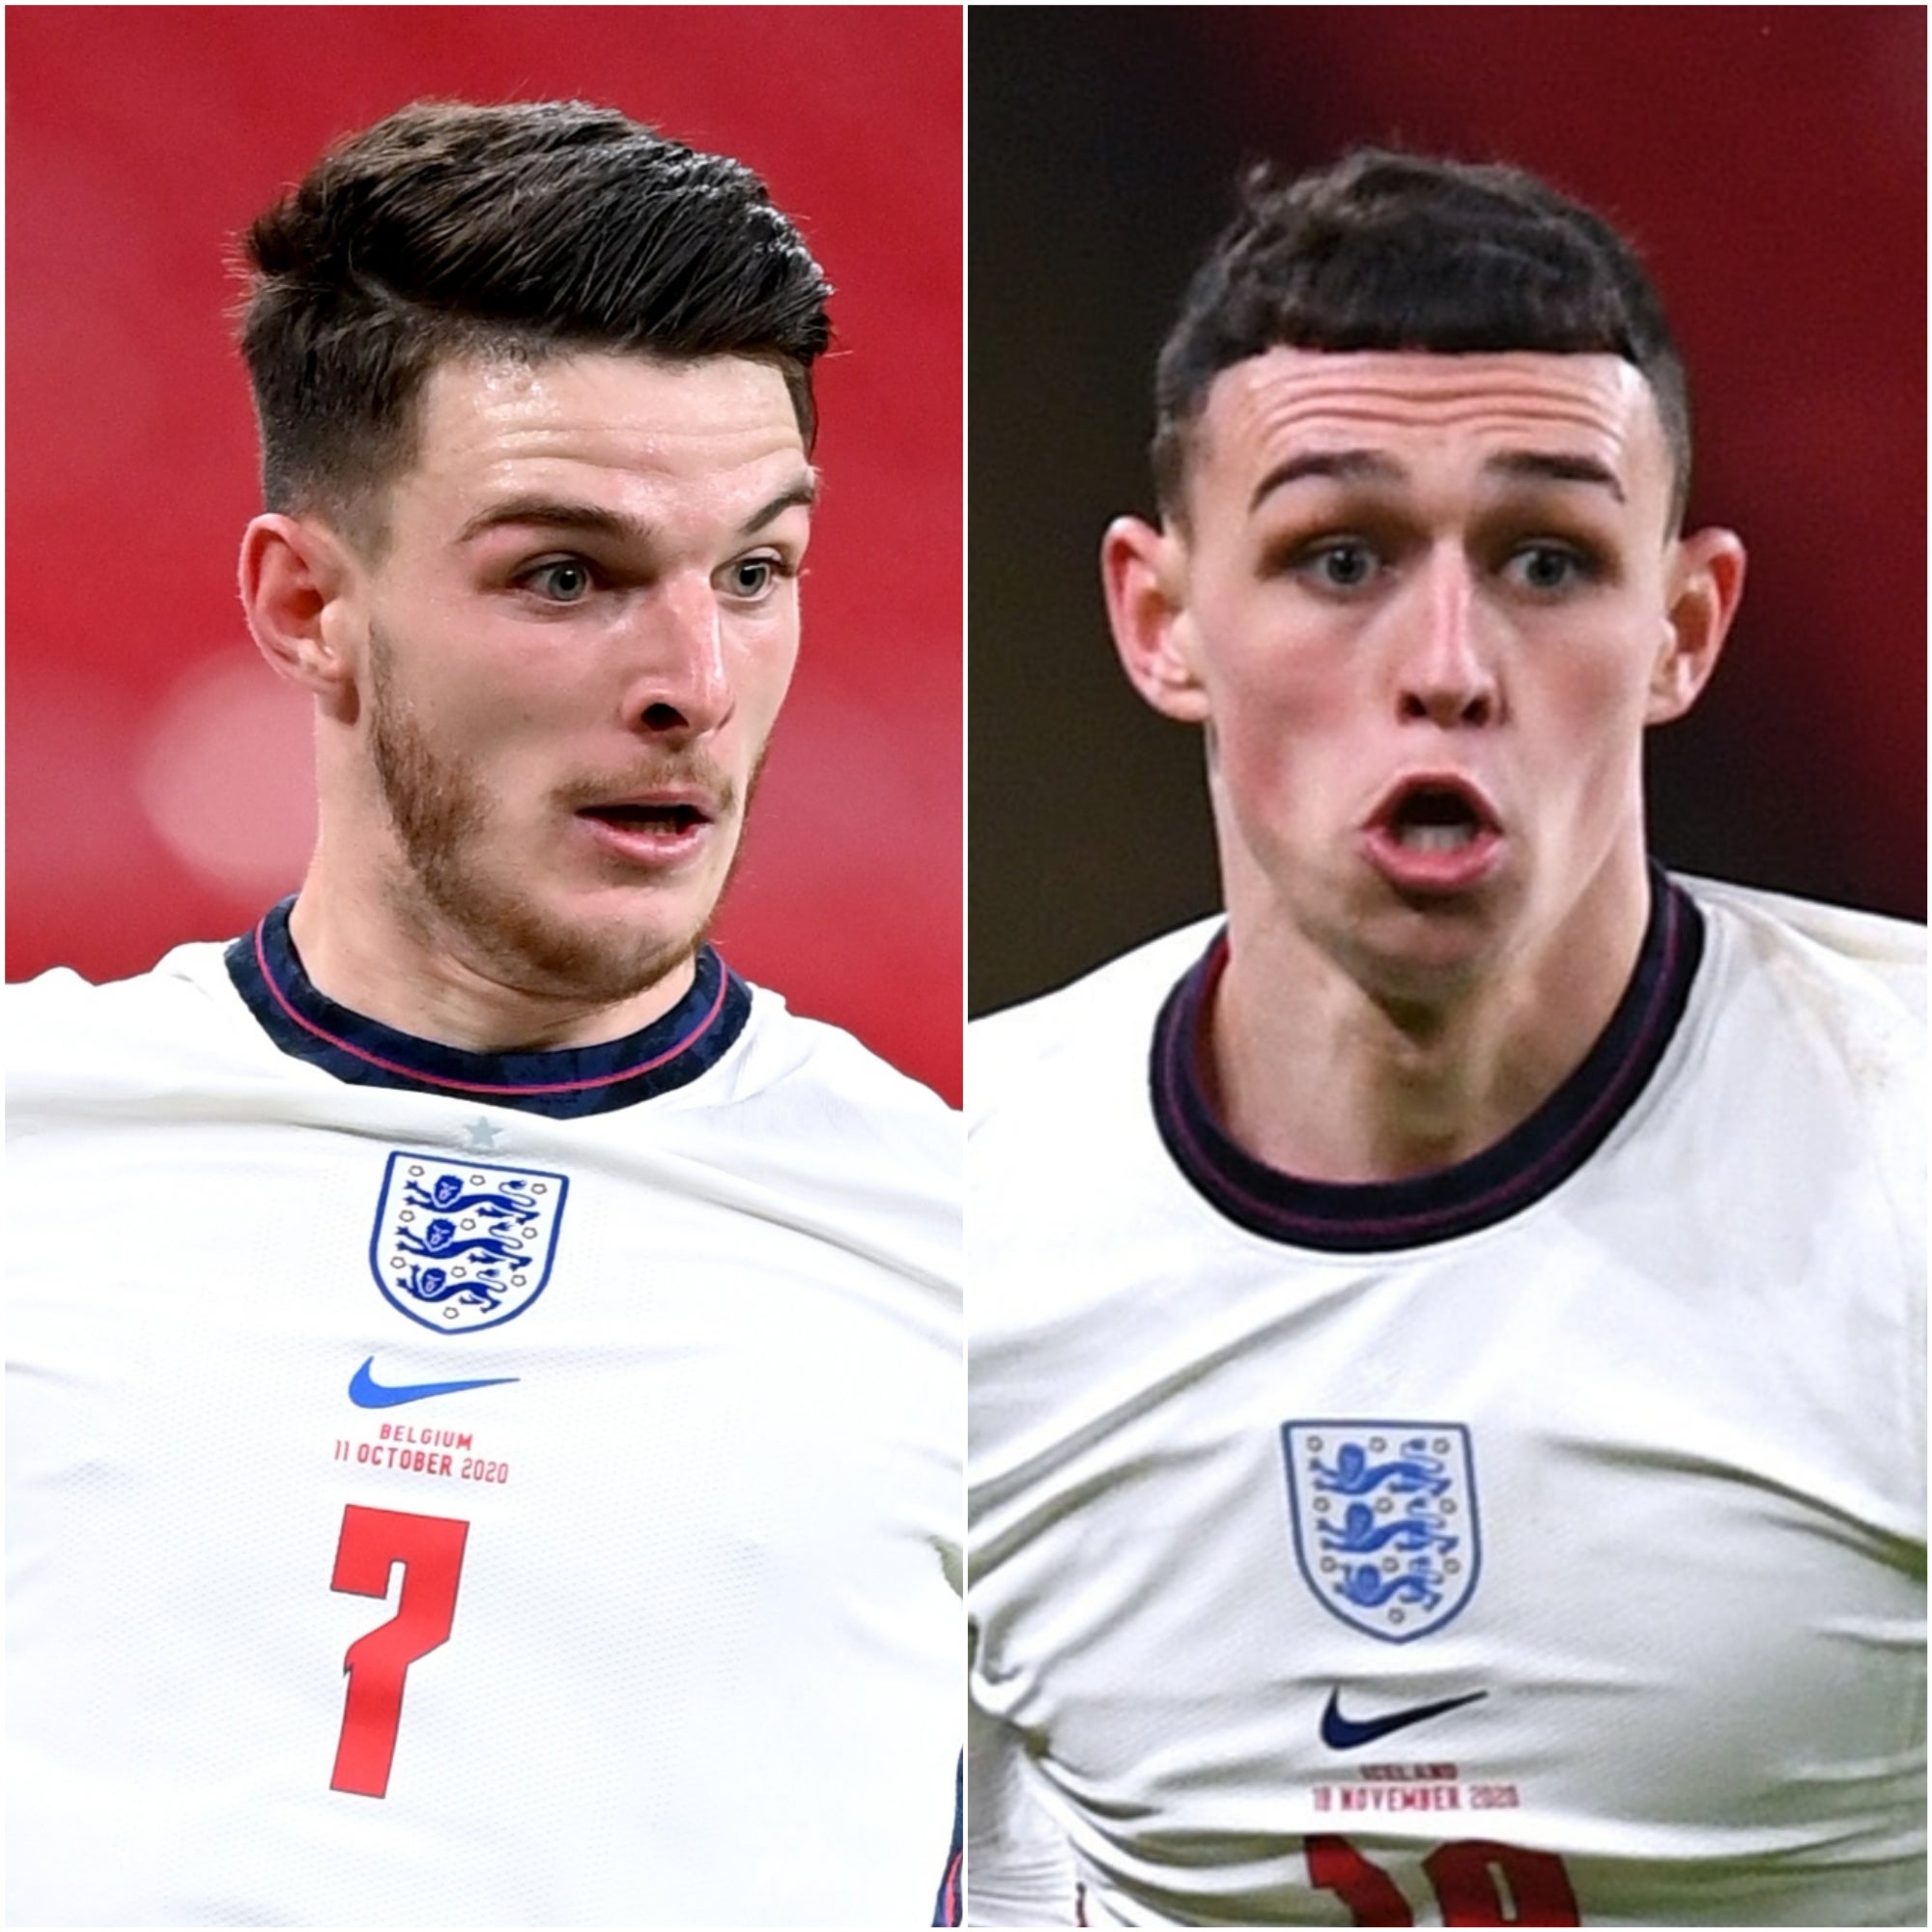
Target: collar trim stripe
x,y
563,1082
414,1075
1490,1187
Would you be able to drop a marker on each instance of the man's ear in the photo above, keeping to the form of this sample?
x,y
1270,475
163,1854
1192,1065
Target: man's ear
x,y
1705,580
1144,571
298,591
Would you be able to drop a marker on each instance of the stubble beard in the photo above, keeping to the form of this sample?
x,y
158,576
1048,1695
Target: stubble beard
x,y
459,905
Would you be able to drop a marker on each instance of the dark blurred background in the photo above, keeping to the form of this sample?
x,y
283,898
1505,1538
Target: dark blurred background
x,y
158,772
1770,165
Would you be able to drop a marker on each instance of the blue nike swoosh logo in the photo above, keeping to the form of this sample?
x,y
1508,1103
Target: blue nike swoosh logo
x,y
366,1392
1340,1733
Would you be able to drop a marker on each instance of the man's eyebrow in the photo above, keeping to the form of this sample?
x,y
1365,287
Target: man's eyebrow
x,y
1336,465
537,510
1369,466
1549,467
802,495
553,513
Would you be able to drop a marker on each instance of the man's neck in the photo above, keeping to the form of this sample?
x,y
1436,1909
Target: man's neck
x,y
421,980
1323,1077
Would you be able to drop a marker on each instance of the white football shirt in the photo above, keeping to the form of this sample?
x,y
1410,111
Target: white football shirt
x,y
1535,1542
447,1489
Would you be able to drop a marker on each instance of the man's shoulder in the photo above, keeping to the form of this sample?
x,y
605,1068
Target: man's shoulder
x,y
1824,1007
1859,964
63,1023
823,1083
1104,1021
830,1137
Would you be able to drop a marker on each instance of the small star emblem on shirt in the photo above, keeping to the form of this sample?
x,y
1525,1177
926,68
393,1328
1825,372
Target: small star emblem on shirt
x,y
482,1135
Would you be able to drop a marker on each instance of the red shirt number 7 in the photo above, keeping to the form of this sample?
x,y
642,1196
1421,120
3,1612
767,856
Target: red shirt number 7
x,y
430,1549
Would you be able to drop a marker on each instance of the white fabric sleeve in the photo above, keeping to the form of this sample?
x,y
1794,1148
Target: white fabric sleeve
x,y
1018,1868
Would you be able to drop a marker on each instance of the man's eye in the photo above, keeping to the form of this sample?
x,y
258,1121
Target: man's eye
x,y
751,577
565,580
1549,567
1345,564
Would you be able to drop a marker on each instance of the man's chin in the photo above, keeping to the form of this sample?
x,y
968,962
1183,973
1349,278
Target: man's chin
x,y
596,964
579,956
1426,952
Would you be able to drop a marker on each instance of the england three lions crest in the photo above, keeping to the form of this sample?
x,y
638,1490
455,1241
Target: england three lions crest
x,y
1385,1525
464,1244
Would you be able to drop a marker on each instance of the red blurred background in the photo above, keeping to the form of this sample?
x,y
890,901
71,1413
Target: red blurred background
x,y
157,774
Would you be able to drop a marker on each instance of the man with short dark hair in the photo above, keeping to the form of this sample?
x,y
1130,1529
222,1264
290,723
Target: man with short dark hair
x,y
483,1381
1446,1338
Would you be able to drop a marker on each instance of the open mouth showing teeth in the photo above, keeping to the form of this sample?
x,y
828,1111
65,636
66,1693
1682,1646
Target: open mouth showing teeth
x,y
648,818
1430,820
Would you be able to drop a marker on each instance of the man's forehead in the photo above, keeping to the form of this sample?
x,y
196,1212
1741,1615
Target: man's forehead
x,y
1288,402
597,405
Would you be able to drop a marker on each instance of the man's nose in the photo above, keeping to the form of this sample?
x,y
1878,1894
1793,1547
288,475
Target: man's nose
x,y
680,685
1446,672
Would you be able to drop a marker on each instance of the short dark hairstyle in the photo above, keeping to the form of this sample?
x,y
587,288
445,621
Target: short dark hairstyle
x,y
525,231
1398,251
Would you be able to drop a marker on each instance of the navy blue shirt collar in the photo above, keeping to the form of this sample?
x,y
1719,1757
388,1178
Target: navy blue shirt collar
x,y
564,1083
1490,1187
